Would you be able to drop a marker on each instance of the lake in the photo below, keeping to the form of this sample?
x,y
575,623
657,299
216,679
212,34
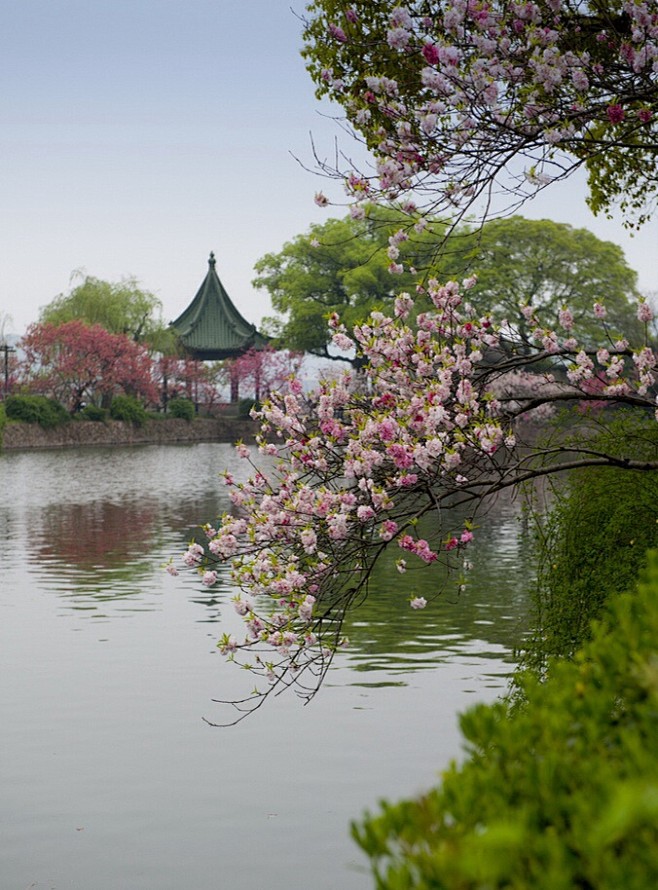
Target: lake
x,y
110,777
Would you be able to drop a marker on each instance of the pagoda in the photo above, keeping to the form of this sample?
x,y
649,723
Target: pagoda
x,y
211,328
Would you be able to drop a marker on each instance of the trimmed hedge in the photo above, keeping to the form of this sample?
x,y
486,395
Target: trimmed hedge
x,y
129,409
93,412
558,793
36,409
182,408
245,407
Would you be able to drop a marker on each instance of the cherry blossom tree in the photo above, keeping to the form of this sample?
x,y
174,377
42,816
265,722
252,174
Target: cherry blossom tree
x,y
75,363
469,102
263,371
356,470
187,378
457,101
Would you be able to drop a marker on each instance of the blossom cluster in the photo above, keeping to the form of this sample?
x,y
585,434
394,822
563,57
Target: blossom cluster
x,y
446,94
353,468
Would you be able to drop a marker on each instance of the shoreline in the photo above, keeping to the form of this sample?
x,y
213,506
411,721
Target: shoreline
x,y
168,431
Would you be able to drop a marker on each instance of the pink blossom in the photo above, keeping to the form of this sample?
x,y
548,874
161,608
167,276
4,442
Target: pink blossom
x,y
424,410
644,312
309,540
566,319
430,53
209,578
418,602
388,529
398,38
615,114
305,610
242,606
337,32
600,311
228,644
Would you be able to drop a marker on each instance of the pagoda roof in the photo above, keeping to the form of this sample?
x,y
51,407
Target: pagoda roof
x,y
211,328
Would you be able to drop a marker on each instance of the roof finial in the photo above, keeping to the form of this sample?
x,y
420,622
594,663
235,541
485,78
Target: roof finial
x,y
211,260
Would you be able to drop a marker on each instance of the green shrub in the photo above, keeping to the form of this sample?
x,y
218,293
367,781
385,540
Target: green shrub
x,y
182,408
558,793
594,544
129,409
245,406
36,409
93,412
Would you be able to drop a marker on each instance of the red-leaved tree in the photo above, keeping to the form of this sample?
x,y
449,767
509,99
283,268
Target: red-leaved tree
x,y
77,363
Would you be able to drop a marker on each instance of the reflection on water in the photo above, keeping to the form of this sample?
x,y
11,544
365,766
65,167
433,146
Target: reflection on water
x,y
109,664
97,526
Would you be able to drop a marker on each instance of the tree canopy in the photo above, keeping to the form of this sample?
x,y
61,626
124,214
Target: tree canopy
x,y
351,266
76,362
344,266
122,307
465,103
550,266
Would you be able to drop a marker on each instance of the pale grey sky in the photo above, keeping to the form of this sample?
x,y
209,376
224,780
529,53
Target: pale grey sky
x,y
139,135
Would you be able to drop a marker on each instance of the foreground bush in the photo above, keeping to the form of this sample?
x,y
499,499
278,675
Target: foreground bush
x,y
557,794
129,409
182,408
36,409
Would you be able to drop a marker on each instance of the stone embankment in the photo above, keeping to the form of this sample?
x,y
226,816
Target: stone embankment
x,y
170,431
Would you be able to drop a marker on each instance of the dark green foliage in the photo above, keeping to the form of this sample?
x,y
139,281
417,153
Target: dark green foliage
x,y
129,409
594,542
36,409
182,408
93,412
558,793
245,407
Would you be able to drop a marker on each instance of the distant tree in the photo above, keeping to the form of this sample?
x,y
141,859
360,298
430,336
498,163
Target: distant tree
x,y
77,363
548,266
120,307
186,378
263,371
343,266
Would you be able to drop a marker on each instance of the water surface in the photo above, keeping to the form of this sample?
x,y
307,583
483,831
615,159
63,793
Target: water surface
x,y
110,778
